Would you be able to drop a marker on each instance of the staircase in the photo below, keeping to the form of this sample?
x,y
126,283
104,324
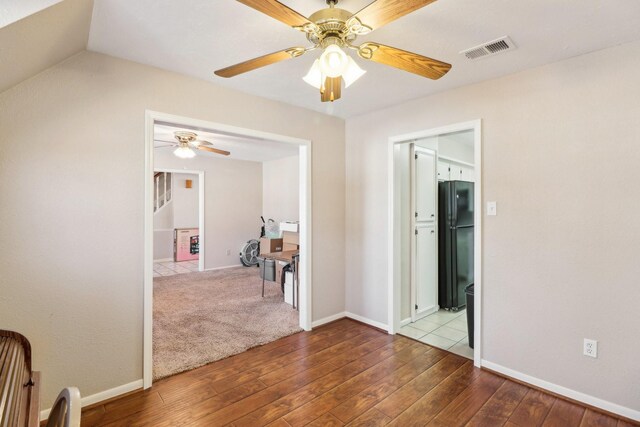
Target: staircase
x,y
162,190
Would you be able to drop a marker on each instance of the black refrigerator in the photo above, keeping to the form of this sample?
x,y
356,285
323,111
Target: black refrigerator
x,y
455,242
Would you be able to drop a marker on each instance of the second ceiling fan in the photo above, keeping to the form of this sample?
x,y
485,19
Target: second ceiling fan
x,y
186,142
333,29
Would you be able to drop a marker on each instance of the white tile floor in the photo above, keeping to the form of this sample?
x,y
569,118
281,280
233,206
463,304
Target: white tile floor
x,y
170,268
444,329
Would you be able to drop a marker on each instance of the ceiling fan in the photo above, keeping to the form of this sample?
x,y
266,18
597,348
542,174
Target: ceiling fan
x,y
187,141
333,29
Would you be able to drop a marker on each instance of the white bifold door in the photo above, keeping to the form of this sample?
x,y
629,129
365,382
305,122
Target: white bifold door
x,y
424,254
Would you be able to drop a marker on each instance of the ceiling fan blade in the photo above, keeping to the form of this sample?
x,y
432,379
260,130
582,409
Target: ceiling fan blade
x,y
381,12
279,11
166,141
259,62
407,61
213,150
202,142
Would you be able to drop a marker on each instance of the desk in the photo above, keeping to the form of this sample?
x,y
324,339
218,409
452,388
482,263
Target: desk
x,y
290,257
286,256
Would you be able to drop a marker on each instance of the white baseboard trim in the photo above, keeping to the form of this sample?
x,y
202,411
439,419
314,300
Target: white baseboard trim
x,y
405,322
225,267
369,322
328,319
566,392
353,316
163,260
102,396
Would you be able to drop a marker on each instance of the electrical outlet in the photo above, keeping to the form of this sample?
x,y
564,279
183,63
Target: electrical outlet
x,y
590,348
228,252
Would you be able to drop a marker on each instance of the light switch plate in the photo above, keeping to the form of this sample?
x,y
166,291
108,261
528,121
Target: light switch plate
x,y
492,209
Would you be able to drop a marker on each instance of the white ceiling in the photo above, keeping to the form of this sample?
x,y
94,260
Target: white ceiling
x,y
196,37
255,150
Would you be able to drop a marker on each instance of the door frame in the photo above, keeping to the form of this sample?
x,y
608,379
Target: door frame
x,y
201,184
393,231
305,234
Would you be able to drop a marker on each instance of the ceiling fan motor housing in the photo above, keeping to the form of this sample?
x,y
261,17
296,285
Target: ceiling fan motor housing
x,y
185,136
332,27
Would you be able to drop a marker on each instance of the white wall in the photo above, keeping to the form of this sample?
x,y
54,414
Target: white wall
x,y
163,244
281,189
560,259
457,146
84,120
163,218
233,202
185,200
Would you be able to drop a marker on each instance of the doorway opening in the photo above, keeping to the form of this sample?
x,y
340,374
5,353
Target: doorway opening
x,y
178,221
435,230
218,308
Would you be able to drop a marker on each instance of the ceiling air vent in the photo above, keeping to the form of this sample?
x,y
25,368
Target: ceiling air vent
x,y
493,47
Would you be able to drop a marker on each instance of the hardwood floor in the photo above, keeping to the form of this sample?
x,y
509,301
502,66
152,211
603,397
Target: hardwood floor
x,y
344,373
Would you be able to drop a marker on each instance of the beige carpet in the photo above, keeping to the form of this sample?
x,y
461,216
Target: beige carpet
x,y
202,317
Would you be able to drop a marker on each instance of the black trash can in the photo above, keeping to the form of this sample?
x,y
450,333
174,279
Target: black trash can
x,y
469,292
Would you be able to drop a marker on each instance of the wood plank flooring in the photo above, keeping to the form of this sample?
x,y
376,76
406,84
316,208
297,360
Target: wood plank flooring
x,y
344,373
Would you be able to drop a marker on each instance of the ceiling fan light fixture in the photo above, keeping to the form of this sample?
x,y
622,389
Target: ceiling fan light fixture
x,y
352,73
184,152
333,61
314,76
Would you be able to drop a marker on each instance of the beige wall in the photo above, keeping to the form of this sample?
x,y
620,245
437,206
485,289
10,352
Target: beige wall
x,y
71,216
233,202
281,189
41,40
560,156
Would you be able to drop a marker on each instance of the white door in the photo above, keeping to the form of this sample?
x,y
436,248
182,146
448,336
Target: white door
x,y
424,261
426,271
455,172
443,171
425,186
467,174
